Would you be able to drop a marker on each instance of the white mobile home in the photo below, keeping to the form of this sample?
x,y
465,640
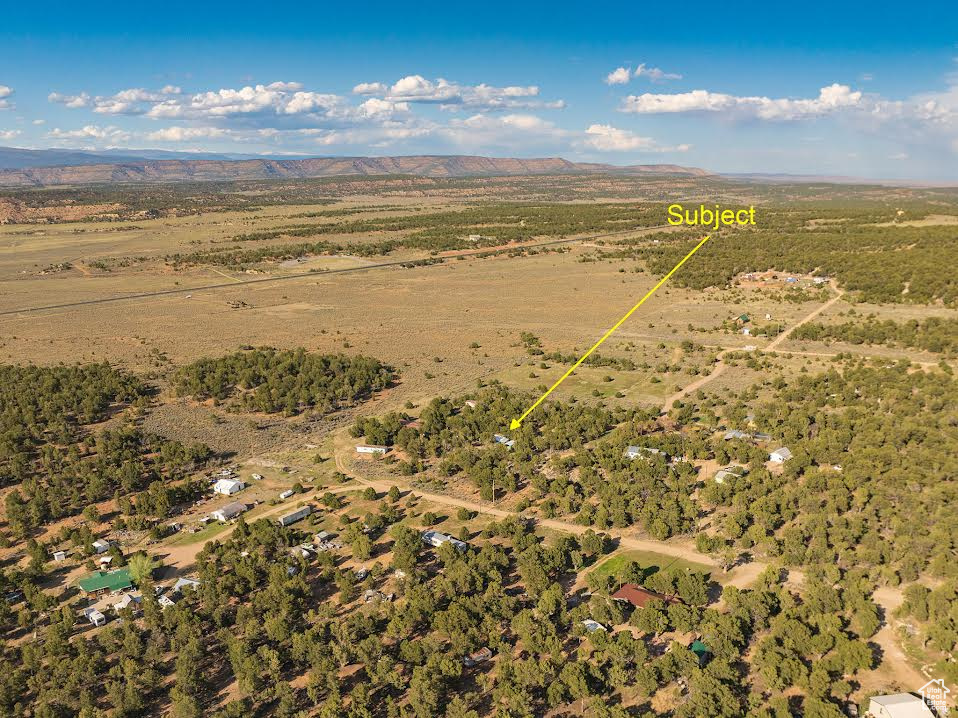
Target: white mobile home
x,y
294,516
634,452
371,449
437,539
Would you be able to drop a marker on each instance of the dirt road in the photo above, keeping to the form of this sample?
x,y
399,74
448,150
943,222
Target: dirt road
x,y
720,366
676,550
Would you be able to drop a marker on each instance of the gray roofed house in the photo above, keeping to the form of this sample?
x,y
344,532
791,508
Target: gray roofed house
x,y
229,511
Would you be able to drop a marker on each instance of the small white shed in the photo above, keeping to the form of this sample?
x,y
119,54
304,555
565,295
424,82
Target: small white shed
x,y
780,456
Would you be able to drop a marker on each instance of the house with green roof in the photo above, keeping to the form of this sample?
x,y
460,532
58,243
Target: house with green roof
x,y
100,582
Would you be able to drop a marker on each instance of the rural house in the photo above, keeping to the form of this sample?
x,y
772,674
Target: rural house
x,y
480,656
634,452
437,539
101,582
639,597
230,511
101,545
190,584
129,600
729,472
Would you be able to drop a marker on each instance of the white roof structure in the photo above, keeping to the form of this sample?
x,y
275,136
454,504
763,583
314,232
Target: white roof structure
x,y
94,616
592,626
228,487
129,599
165,602
371,449
437,539
187,583
634,452
898,705
780,455
729,472
101,546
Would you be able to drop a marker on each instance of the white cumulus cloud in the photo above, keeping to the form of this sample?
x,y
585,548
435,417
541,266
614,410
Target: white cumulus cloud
x,y
622,75
91,132
453,95
184,134
830,99
370,88
71,101
606,138
6,135
619,76
655,74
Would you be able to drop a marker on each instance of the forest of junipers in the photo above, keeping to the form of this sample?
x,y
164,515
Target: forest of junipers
x,y
934,334
292,635
289,381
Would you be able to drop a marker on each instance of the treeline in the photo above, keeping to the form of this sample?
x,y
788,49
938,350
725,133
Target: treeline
x,y
284,381
879,264
434,232
936,611
934,334
503,222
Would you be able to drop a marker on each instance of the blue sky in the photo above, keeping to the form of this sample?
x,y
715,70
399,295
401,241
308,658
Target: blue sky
x,y
857,89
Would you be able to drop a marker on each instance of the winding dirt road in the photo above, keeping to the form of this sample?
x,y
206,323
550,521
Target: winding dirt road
x,y
720,366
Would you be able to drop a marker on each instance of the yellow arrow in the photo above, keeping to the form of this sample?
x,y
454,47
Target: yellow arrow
x,y
516,423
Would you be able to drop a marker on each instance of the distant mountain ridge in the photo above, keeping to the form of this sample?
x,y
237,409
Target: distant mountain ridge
x,y
113,169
